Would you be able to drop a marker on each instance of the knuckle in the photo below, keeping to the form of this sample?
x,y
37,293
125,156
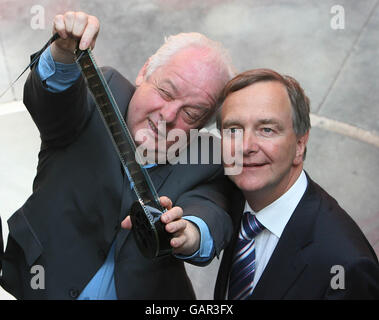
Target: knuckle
x,y
167,217
69,15
170,228
76,33
94,21
179,211
58,18
58,25
81,16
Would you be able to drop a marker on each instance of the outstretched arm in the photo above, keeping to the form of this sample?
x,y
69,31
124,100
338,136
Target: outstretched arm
x,y
60,116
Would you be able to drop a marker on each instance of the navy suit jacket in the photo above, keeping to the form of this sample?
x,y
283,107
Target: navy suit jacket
x,y
80,196
318,236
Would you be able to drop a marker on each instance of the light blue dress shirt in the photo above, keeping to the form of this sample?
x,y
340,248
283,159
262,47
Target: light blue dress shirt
x,y
59,77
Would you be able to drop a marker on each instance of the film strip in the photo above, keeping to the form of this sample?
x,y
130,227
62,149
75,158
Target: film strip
x,y
148,230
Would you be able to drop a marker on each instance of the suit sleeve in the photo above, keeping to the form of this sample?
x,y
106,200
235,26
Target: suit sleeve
x,y
59,117
209,201
359,281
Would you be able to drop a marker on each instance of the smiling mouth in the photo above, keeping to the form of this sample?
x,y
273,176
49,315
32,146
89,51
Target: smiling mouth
x,y
154,128
254,165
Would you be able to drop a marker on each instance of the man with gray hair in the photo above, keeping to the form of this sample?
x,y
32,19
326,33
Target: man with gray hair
x,y
291,238
75,224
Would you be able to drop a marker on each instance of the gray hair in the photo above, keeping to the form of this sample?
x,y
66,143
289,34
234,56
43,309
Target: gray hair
x,y
175,43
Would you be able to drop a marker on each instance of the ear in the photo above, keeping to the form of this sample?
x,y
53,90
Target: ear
x,y
142,73
300,148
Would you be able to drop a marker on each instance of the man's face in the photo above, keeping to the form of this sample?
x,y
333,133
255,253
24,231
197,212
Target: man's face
x,y
182,93
272,154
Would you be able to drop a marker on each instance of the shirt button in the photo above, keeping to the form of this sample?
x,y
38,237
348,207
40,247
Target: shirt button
x,y
74,293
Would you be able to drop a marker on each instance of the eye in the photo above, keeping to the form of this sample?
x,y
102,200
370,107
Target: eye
x,y
234,130
192,115
267,131
189,115
165,94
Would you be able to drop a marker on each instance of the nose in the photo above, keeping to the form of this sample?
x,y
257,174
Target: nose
x,y
169,111
250,143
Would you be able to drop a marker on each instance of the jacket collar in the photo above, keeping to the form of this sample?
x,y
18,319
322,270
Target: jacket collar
x,y
287,261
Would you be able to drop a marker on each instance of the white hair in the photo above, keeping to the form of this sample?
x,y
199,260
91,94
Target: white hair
x,y
175,43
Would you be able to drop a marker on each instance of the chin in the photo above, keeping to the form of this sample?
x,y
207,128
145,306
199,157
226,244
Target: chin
x,y
248,184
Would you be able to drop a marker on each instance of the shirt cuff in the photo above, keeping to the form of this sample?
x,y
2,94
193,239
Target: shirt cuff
x,y
56,75
206,249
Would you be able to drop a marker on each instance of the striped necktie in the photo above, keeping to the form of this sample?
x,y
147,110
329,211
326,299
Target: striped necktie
x,y
243,268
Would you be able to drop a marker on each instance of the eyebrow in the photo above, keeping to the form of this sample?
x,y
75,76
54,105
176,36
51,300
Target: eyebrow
x,y
171,84
230,122
206,107
273,121
268,121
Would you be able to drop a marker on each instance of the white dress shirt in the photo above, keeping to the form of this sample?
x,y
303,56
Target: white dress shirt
x,y
275,217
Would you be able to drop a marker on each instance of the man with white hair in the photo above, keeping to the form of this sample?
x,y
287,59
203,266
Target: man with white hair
x,y
71,225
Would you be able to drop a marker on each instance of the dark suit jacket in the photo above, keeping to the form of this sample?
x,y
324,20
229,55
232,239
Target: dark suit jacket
x,y
80,196
319,235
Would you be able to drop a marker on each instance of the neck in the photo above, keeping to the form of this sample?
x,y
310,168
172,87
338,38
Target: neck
x,y
260,199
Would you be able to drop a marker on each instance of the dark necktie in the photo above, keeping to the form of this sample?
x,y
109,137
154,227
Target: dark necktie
x,y
243,268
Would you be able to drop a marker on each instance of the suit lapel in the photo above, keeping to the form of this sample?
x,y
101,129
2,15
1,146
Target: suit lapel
x,y
285,265
288,261
238,202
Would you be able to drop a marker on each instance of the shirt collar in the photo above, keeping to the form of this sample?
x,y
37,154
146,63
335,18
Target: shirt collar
x,y
276,215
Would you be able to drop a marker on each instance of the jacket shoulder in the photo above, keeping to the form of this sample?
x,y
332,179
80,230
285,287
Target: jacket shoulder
x,y
122,89
336,233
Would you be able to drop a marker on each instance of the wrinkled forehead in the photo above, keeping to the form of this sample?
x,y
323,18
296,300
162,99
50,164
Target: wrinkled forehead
x,y
192,72
203,64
